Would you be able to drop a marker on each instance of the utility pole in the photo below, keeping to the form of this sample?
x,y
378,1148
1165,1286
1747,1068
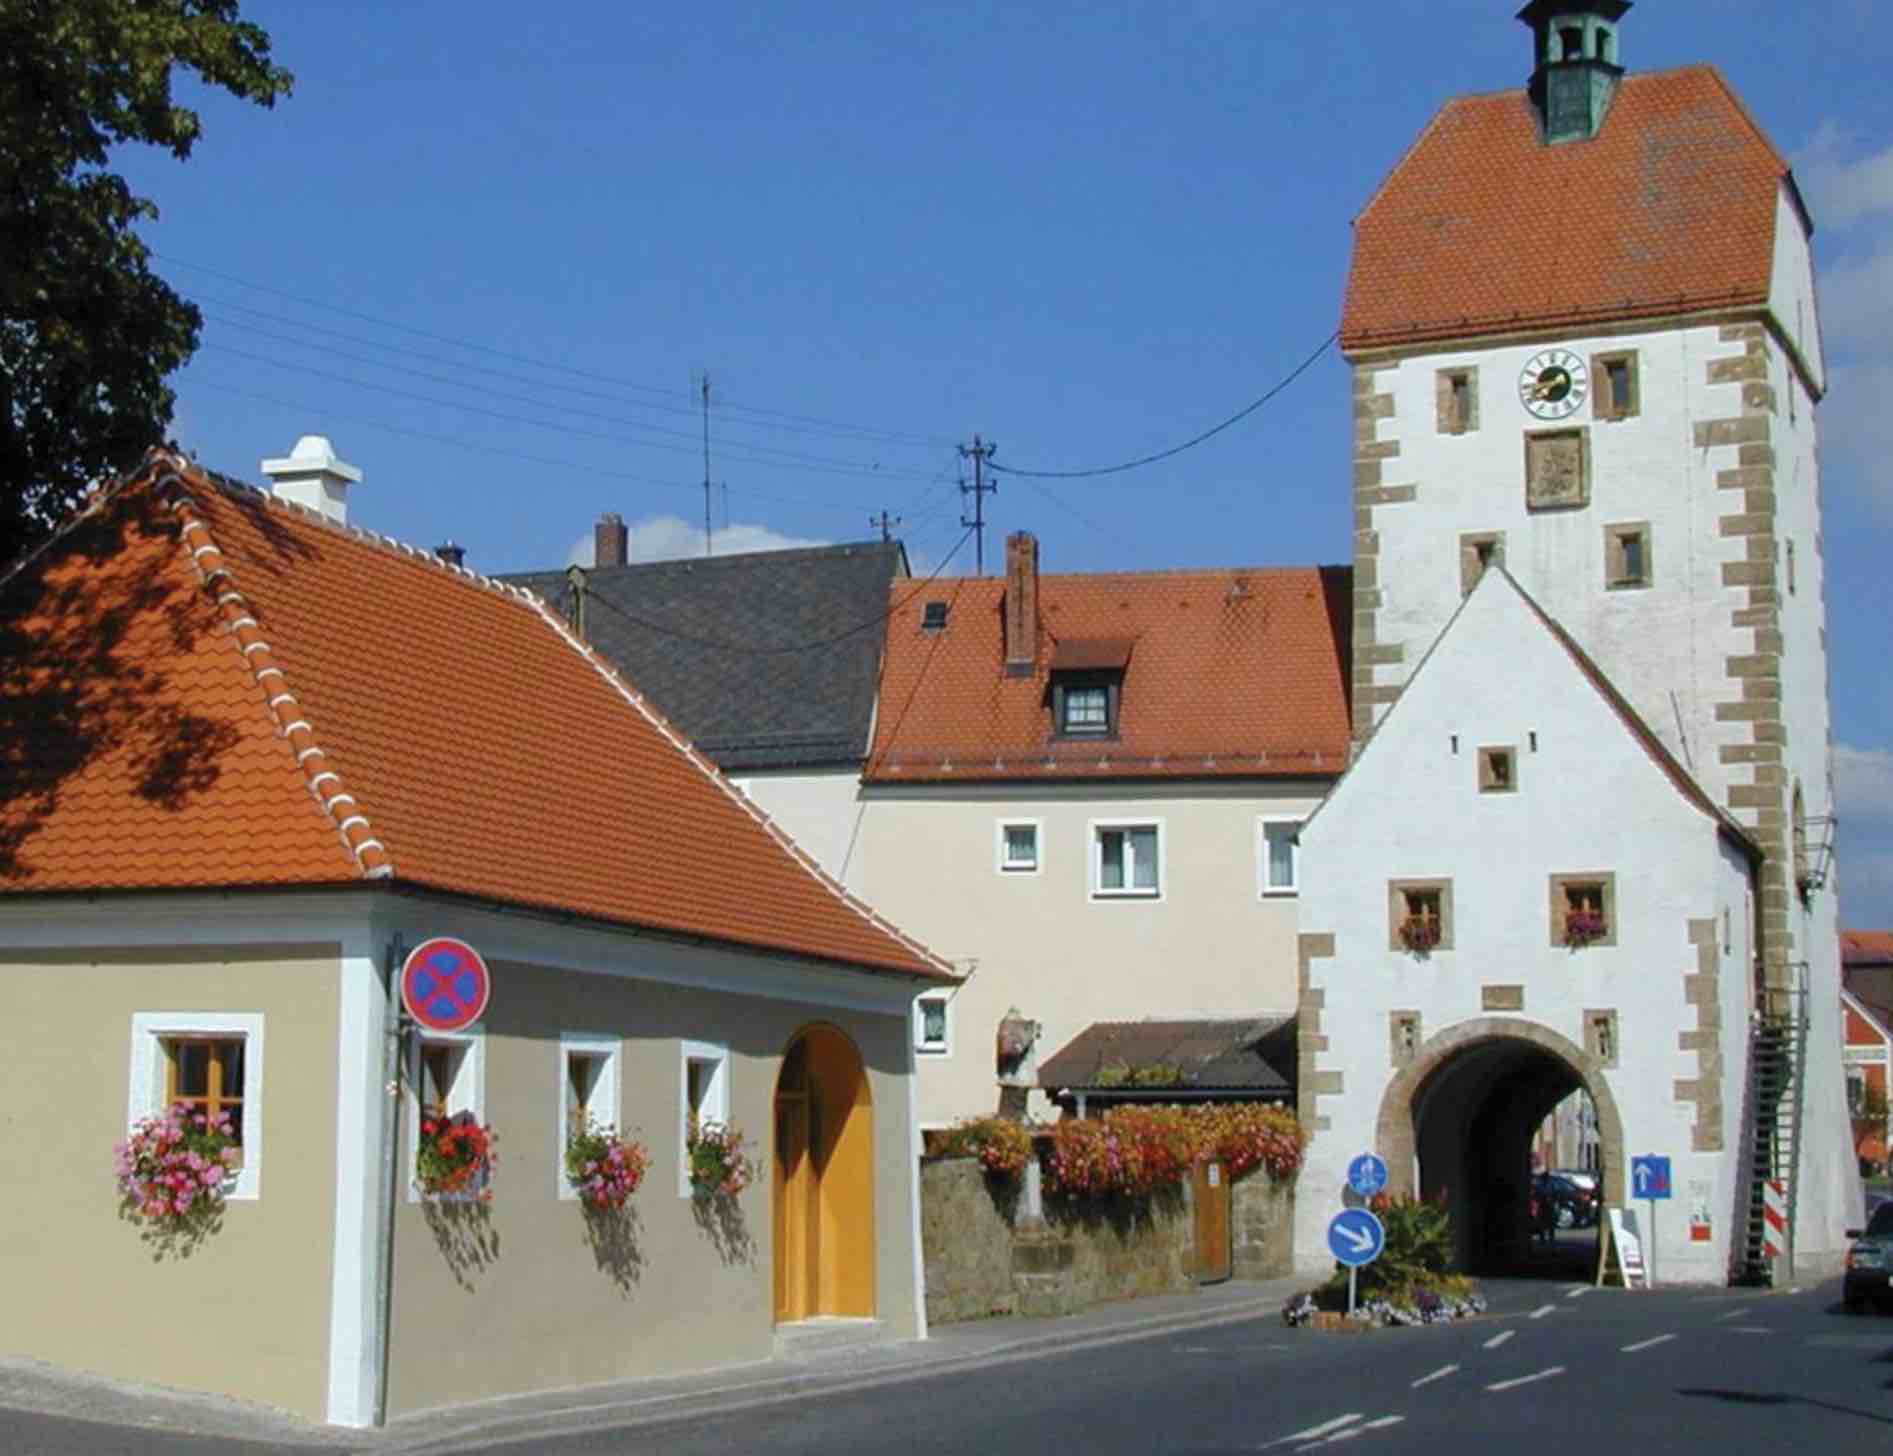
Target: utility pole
x,y
706,462
886,523
980,451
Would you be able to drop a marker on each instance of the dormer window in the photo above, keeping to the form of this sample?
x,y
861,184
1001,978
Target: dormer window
x,y
1087,687
1084,708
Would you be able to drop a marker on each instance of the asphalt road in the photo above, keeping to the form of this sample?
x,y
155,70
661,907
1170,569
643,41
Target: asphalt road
x,y
1551,1367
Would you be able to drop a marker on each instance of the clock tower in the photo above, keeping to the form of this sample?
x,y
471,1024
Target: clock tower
x,y
1582,328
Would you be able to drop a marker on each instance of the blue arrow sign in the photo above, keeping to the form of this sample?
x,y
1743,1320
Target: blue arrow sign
x,y
1367,1175
1650,1177
1355,1237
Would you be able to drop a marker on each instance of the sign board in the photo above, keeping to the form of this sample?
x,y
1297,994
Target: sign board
x,y
1628,1248
1367,1175
1355,1237
445,985
1650,1177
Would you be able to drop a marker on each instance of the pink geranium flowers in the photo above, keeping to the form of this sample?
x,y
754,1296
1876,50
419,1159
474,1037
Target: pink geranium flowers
x,y
175,1167
604,1168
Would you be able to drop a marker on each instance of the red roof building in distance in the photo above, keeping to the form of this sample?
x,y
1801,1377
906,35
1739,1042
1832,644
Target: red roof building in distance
x,y
209,688
1481,228
1231,672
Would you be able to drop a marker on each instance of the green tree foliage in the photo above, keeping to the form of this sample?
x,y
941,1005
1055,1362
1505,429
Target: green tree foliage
x,y
88,333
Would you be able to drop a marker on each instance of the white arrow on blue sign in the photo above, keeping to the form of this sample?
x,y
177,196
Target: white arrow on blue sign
x,y
1367,1175
1650,1177
1355,1237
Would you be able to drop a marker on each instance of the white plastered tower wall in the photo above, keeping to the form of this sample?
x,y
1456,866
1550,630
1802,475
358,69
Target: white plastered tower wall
x,y
1590,799
1722,653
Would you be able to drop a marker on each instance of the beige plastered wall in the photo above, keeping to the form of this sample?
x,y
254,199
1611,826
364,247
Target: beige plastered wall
x,y
515,1297
247,1313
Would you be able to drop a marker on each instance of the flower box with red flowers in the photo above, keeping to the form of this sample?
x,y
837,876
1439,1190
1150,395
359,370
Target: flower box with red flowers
x,y
603,1168
1419,934
455,1157
1584,927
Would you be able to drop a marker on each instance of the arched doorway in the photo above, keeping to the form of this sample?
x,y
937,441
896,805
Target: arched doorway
x,y
823,1179
1458,1124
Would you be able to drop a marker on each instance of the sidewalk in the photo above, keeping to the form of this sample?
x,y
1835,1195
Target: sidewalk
x,y
31,1386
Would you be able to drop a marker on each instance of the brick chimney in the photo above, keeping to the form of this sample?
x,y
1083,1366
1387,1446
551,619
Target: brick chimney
x,y
611,541
311,475
1022,603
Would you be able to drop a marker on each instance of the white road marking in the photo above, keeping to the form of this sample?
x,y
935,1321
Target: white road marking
x,y
1499,1339
1542,1311
1574,1293
1321,1430
1749,1330
1527,1379
1733,1314
1649,1344
1350,1433
1439,1374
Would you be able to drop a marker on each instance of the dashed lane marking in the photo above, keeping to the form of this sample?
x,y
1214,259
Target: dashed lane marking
x,y
1313,1432
1544,1374
1499,1339
1580,1290
1649,1344
1733,1314
1542,1311
1749,1330
1351,1432
1439,1374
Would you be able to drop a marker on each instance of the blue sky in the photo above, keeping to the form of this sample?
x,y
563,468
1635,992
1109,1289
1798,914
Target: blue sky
x,y
489,248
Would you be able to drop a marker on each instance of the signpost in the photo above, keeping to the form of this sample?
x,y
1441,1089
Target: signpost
x,y
1650,1180
1355,1237
445,984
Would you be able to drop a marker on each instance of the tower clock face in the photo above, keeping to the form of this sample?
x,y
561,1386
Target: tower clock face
x,y
1553,384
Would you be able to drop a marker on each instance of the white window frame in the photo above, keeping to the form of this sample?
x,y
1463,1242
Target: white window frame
x,y
944,1047
151,1029
1098,828
1005,866
716,1098
604,1094
1263,888
468,1094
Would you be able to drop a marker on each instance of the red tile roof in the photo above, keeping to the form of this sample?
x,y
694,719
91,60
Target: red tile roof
x,y
208,688
1482,228
1237,672
1866,947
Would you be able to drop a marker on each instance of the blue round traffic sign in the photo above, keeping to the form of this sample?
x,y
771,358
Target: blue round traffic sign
x,y
445,984
1367,1175
1355,1237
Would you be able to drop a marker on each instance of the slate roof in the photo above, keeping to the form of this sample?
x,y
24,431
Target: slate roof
x,y
1482,228
767,659
1232,672
1244,1054
207,688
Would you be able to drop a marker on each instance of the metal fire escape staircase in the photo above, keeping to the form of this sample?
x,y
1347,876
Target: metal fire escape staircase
x,y
1777,1053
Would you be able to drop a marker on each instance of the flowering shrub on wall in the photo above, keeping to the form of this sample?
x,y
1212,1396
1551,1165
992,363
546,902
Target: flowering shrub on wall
x,y
605,1168
719,1165
455,1157
1249,1135
1002,1146
173,1167
1129,1151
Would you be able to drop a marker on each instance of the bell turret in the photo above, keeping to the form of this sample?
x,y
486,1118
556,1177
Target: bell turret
x,y
1577,64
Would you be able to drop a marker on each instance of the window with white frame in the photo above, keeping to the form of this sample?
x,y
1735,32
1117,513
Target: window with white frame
x,y
1279,855
1127,860
212,1062
446,1076
704,1097
1018,846
932,1024
588,1092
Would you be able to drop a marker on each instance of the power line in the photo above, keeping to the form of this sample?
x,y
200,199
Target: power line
x,y
517,358
980,452
1195,440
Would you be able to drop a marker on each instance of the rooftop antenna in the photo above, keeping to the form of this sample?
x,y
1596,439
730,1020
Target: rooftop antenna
x,y
705,387
886,523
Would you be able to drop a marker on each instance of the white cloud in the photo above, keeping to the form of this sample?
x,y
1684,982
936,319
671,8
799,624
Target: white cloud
x,y
1840,191
669,538
1863,783
1857,302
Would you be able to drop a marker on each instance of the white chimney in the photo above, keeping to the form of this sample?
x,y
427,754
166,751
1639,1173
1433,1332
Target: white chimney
x,y
311,476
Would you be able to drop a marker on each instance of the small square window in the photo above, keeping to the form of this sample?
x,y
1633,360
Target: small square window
x,y
704,1074
1583,910
212,1062
1087,710
1085,703
1420,916
1477,551
1280,852
1125,861
931,1025
933,617
1019,847
588,1093
1600,1036
446,1079
1498,770
1627,555
1614,386
1456,397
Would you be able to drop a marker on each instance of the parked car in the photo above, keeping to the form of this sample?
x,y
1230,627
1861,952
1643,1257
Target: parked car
x,y
1568,1205
1869,1261
1585,1180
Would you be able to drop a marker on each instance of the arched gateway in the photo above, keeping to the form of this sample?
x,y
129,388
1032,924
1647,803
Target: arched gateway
x,y
823,1184
1457,1122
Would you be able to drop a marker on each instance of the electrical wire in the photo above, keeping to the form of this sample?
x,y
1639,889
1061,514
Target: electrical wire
x,y
1195,440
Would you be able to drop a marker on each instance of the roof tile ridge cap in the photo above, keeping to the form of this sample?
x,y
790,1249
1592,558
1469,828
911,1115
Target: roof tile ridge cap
x,y
390,544
741,800
325,786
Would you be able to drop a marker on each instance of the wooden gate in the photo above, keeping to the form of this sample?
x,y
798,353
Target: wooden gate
x,y
1209,1192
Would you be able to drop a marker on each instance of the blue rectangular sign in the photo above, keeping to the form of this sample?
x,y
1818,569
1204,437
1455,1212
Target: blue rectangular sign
x,y
1650,1177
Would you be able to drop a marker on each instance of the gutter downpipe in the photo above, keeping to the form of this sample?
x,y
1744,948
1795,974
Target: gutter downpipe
x,y
392,1036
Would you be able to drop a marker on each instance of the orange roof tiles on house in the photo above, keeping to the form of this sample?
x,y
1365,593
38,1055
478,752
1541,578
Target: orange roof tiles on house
x,y
1481,228
1866,947
1238,672
207,688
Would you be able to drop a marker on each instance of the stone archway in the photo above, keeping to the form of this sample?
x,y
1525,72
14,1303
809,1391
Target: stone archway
x,y
1456,1123
823,1179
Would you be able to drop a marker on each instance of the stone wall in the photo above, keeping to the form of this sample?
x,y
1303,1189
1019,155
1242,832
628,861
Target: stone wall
x,y
987,1253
